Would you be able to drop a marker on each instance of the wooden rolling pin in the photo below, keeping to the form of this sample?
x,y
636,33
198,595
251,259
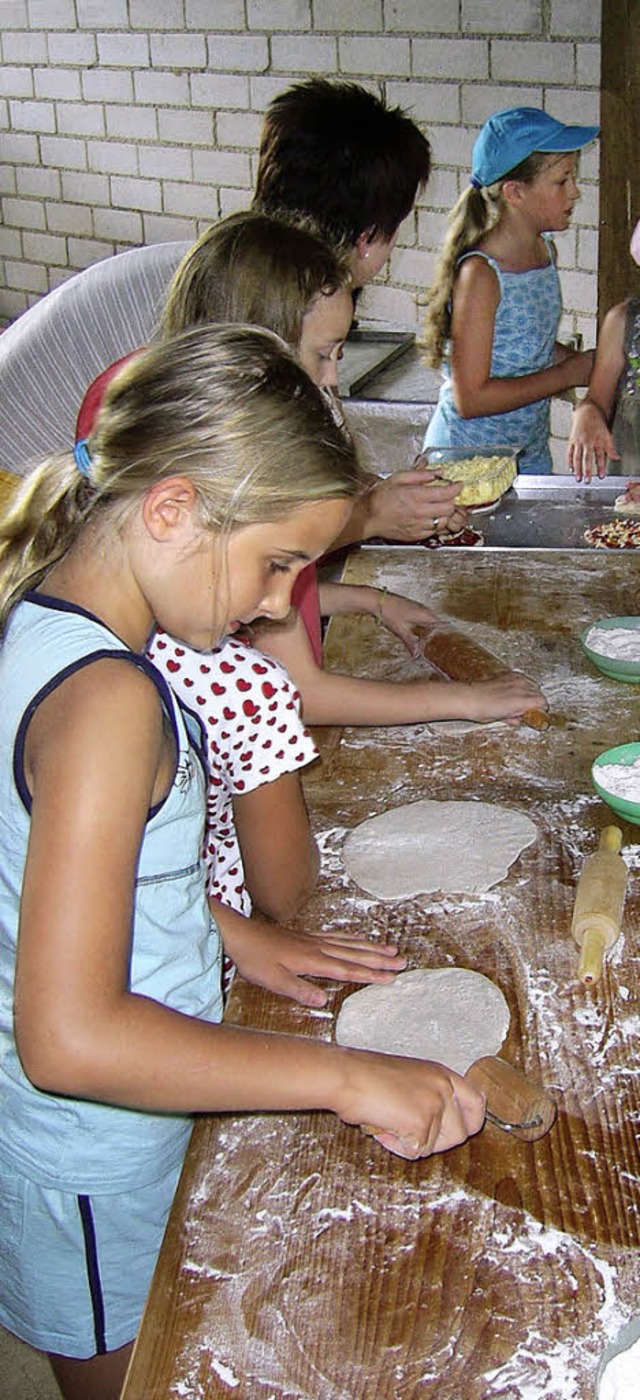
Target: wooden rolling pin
x,y
513,1103
599,901
459,658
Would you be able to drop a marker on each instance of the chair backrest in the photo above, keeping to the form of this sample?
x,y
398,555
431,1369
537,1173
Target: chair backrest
x,y
53,352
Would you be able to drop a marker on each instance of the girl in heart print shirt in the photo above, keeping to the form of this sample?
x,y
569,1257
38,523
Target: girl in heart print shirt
x,y
254,734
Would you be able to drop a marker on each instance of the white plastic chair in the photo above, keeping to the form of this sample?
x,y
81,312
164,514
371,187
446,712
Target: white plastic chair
x,y
53,352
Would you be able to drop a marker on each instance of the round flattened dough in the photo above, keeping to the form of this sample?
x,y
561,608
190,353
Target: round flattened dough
x,y
447,1014
424,847
463,726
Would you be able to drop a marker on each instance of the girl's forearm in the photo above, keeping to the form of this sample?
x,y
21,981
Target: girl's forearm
x,y
502,395
279,852
143,1056
355,700
339,598
148,1057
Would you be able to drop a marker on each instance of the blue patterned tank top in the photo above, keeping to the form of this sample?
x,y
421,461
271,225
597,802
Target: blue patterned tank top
x,y
525,333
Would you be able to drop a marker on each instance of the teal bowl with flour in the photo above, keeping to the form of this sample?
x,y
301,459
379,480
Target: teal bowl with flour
x,y
623,754
627,670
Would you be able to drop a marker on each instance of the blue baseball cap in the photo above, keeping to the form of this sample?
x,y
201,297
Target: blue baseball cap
x,y
510,136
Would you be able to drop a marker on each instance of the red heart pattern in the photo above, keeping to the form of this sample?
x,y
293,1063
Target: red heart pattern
x,y
243,698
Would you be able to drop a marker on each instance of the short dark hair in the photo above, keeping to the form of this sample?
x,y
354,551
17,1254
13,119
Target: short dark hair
x,y
335,153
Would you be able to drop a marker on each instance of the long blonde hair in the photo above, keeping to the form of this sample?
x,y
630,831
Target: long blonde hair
x,y
227,406
257,268
473,216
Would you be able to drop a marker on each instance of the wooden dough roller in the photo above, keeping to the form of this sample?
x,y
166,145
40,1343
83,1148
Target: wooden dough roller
x,y
459,658
513,1103
599,901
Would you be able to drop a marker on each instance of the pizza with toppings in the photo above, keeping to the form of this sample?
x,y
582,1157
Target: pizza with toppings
x,y
470,538
615,534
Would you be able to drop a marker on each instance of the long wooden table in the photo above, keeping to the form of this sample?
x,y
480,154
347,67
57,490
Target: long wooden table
x,y
301,1260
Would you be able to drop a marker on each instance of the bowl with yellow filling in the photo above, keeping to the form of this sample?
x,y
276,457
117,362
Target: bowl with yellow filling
x,y
486,474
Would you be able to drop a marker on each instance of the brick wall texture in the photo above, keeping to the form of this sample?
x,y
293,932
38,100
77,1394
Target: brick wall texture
x,y
136,121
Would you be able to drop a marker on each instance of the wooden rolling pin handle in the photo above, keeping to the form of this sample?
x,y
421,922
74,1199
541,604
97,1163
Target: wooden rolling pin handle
x,y
536,719
598,904
592,956
460,658
512,1102
611,839
522,1108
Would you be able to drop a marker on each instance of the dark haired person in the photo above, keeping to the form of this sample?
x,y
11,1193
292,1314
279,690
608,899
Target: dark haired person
x,y
335,153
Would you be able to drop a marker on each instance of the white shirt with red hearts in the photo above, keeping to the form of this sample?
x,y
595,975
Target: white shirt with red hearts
x,y
250,711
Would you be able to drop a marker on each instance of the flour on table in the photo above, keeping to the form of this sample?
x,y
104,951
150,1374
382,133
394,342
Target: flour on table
x,y
428,846
447,1014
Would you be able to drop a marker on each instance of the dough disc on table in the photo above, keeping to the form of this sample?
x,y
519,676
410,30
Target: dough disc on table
x,y
453,847
463,726
448,1014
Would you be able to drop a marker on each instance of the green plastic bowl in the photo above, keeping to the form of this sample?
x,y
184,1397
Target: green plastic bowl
x,y
624,753
628,671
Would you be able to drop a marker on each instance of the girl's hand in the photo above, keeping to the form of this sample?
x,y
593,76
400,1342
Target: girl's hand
x,y
632,492
400,615
278,959
590,443
506,697
412,1107
412,505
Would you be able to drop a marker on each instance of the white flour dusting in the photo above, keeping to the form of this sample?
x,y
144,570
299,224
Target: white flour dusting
x,y
253,1318
620,642
252,1324
620,779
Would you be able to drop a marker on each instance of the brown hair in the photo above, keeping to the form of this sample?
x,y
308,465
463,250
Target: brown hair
x,y
252,267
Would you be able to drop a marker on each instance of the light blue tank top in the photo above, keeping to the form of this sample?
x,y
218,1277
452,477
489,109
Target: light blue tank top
x,y
526,328
61,1142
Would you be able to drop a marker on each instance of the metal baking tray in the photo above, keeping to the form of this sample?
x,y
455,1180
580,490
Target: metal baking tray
x,y
538,512
365,353
550,512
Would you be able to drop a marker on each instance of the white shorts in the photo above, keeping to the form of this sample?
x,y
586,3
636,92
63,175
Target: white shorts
x,y
75,1270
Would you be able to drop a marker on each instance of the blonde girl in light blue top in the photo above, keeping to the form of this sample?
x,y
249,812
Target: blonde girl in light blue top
x,y
215,471
495,305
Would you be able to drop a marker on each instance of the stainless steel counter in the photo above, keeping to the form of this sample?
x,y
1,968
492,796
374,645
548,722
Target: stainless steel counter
x,y
548,512
539,512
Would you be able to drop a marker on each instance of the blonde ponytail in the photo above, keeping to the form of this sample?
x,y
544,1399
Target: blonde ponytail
x,y
45,514
476,212
227,406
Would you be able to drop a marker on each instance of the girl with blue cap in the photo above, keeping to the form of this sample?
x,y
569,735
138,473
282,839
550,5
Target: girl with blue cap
x,y
495,305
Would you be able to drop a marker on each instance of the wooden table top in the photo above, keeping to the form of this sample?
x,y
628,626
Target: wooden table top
x,y
303,1261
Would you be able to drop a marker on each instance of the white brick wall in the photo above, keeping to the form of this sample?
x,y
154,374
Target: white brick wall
x,y
138,120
